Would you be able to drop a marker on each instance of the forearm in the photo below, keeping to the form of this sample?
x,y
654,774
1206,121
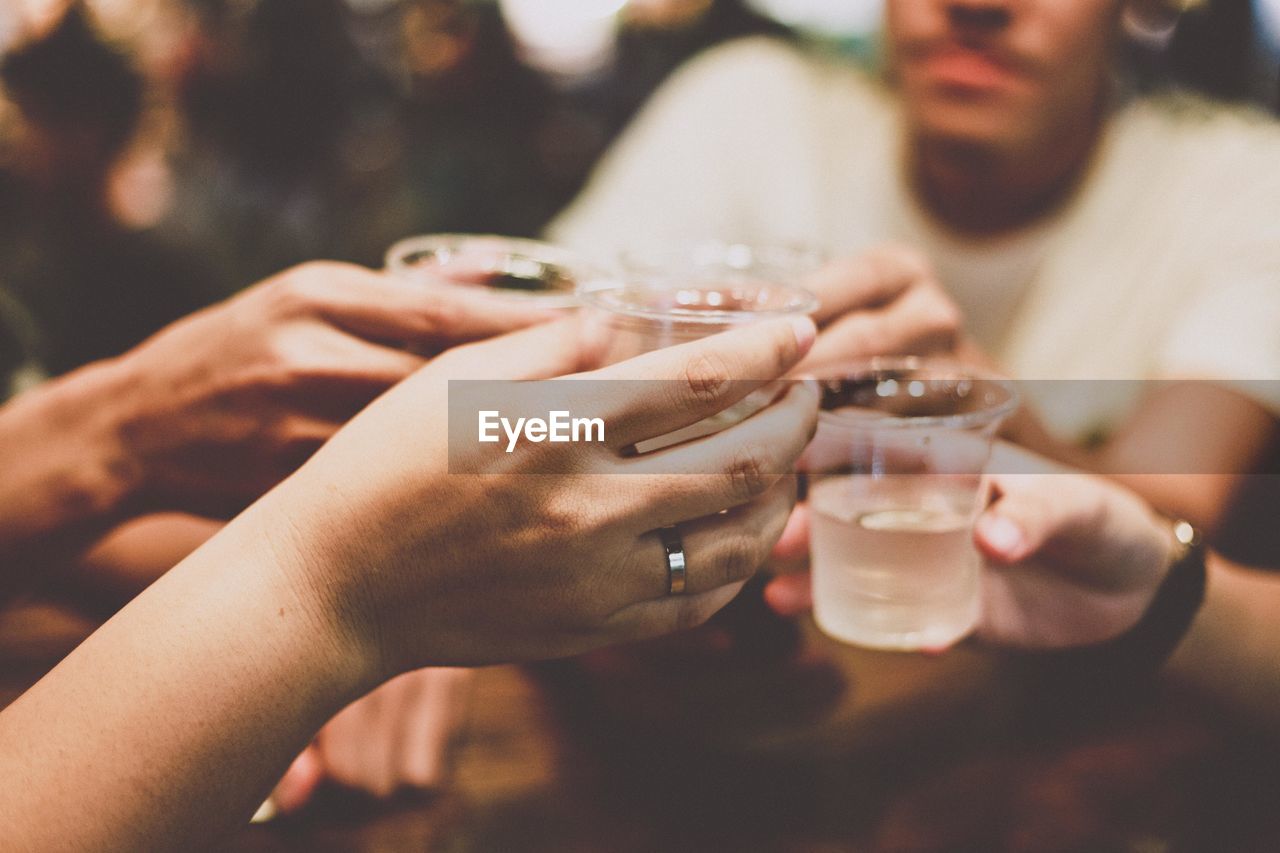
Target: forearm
x,y
127,560
1188,450
1198,497
66,479
168,726
1233,650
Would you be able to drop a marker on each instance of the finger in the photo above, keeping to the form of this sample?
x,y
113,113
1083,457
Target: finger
x,y
430,727
383,307
382,736
726,469
342,741
543,352
720,549
299,782
668,615
794,542
1030,511
921,322
701,378
867,281
318,356
790,595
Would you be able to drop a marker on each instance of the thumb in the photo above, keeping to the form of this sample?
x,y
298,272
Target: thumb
x,y
1031,510
299,782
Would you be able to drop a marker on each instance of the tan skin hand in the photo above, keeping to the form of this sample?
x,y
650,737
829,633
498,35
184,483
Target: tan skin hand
x,y
886,301
1070,559
227,402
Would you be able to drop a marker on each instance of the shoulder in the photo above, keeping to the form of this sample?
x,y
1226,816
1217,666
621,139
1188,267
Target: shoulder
x,y
1198,134
766,73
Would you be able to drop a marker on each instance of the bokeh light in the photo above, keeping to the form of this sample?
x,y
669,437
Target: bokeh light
x,y
567,38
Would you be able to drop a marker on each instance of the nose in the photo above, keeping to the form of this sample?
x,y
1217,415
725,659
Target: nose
x,y
978,17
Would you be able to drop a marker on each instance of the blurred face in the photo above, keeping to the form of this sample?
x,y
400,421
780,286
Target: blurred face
x,y
1006,73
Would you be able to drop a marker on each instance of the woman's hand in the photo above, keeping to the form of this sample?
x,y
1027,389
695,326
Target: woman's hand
x,y
465,555
220,406
374,559
1071,559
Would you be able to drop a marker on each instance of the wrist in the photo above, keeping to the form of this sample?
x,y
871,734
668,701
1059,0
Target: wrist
x,y
314,573
65,455
119,408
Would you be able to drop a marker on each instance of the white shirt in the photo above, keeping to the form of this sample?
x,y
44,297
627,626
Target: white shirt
x,y
1164,264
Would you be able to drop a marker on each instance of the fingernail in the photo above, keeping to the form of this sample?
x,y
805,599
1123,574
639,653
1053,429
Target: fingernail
x,y
266,812
1002,534
805,331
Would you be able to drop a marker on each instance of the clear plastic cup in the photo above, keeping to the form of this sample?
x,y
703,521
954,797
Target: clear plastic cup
x,y
510,268
895,484
663,298
670,297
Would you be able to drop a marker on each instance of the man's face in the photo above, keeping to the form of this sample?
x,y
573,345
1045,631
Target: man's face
x,y
1000,72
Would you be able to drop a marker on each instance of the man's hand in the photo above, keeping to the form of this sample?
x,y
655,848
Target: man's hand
x,y
885,302
395,737
1071,559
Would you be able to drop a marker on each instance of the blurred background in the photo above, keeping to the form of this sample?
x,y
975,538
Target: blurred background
x,y
157,155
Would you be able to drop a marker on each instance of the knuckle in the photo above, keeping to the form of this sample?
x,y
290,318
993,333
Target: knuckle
x,y
691,613
907,259
302,284
706,378
443,314
748,475
739,560
424,776
943,321
292,357
784,351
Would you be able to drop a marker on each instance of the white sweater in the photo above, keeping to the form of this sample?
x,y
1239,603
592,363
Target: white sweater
x,y
1165,262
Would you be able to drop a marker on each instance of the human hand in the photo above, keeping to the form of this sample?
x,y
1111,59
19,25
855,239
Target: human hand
x,y
1070,559
395,737
886,301
413,565
221,405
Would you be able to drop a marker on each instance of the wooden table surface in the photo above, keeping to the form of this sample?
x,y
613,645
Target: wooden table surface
x,y
785,741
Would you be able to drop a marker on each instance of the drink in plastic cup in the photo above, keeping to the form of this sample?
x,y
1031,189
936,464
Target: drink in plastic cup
x,y
659,299
671,297
539,274
895,484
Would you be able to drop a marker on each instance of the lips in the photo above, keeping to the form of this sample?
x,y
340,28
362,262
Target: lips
x,y
968,68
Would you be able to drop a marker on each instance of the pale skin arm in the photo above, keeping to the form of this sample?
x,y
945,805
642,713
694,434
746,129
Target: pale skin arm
x,y
127,560
170,724
220,665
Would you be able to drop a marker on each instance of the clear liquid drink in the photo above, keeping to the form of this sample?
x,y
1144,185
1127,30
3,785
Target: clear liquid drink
x,y
661,299
896,577
895,474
